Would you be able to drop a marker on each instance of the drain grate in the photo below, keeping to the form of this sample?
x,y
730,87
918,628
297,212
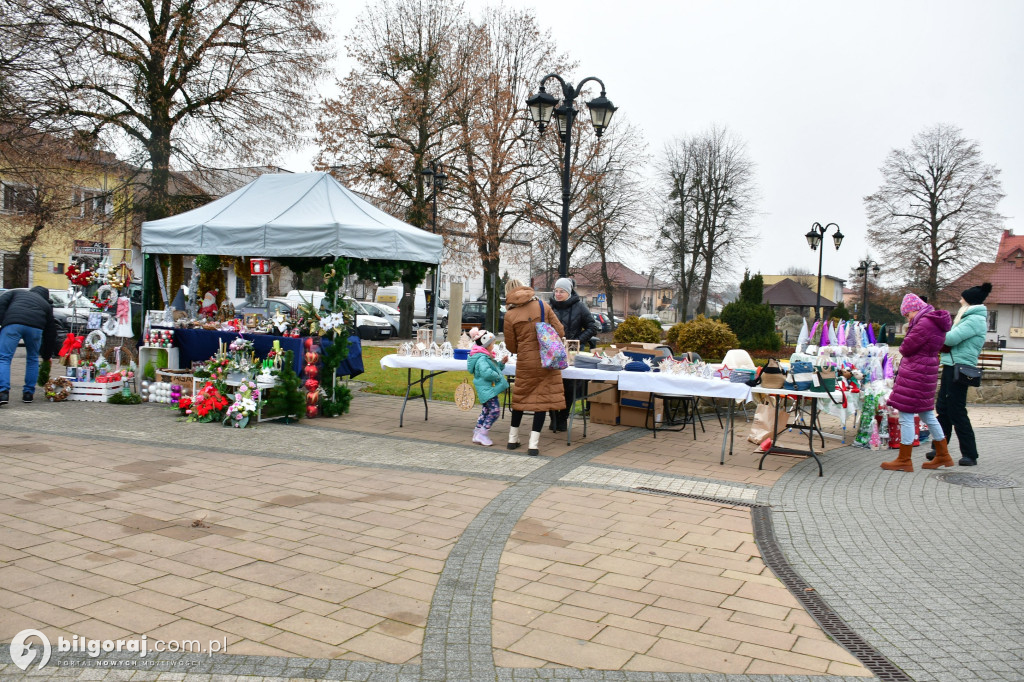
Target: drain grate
x,y
976,481
706,498
830,622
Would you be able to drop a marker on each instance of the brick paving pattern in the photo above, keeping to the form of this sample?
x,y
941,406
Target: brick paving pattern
x,y
354,549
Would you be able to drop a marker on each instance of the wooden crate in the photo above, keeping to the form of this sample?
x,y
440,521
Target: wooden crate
x,y
93,391
180,377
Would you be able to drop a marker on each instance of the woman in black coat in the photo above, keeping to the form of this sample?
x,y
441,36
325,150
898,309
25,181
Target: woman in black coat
x,y
579,324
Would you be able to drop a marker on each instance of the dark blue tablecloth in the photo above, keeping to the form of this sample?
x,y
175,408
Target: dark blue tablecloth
x,y
199,345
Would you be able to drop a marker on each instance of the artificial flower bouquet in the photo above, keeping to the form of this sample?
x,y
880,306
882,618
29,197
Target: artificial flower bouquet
x,y
246,406
205,406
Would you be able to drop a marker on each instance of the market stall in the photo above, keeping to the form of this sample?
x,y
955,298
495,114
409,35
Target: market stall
x,y
300,215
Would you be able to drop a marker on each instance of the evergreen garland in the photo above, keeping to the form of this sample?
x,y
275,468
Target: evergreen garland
x,y
286,398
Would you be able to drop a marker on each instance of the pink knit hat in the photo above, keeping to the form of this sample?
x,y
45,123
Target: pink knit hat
x,y
912,303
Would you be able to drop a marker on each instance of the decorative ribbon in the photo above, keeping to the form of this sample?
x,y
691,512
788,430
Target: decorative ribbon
x,y
123,310
71,344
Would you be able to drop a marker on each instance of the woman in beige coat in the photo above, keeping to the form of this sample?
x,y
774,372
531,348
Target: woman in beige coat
x,y
536,389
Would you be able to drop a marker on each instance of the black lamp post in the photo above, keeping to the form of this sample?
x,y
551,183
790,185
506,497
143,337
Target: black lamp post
x,y
862,269
436,180
542,106
814,239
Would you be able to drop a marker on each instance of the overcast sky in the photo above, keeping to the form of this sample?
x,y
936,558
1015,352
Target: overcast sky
x,y
819,91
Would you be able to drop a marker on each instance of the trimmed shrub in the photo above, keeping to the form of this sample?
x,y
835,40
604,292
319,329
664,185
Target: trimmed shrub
x,y
708,338
636,330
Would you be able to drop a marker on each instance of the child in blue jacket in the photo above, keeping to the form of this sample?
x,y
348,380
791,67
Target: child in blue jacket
x,y
488,381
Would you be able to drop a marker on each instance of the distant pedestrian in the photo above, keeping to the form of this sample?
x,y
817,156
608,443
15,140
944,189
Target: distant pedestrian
x,y
963,344
488,381
580,325
914,390
25,315
536,388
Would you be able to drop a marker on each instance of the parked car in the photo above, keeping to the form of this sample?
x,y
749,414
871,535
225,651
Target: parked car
x,y
475,312
392,315
76,310
603,322
369,326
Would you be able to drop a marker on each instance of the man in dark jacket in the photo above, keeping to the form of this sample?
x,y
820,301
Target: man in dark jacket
x,y
579,324
25,314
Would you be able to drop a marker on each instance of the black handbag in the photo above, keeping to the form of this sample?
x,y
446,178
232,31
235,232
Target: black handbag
x,y
966,375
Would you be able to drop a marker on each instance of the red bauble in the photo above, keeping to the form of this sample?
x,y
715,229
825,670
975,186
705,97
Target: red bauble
x,y
312,398
309,343
312,357
311,384
311,411
312,371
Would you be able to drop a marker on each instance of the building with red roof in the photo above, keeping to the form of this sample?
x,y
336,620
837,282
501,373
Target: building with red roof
x,y
633,292
1006,302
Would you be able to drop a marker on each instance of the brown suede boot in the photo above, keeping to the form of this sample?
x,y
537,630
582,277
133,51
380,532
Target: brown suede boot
x,y
942,456
903,461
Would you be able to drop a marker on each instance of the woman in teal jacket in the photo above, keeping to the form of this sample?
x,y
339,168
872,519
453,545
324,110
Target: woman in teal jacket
x,y
963,343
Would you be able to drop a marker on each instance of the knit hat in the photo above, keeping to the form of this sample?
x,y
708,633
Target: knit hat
x,y
912,303
481,336
565,284
977,295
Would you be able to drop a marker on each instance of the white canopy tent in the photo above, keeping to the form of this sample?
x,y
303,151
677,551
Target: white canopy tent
x,y
291,215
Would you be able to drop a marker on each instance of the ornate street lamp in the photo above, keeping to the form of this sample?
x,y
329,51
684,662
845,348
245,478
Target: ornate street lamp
x,y
862,269
814,239
436,180
542,106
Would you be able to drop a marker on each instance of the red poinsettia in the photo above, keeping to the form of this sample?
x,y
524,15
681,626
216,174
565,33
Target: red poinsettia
x,y
206,406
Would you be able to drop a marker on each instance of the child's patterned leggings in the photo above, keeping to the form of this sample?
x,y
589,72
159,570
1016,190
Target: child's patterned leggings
x,y
489,414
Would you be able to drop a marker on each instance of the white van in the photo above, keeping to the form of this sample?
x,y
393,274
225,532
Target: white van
x,y
299,296
391,296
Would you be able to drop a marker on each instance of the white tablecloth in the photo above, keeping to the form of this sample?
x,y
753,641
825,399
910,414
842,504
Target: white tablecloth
x,y
444,365
680,384
628,381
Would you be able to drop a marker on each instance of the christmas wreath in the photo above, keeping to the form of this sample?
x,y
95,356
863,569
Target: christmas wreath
x,y
105,297
58,389
96,341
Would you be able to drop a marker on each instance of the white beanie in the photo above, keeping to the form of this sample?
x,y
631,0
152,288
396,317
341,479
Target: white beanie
x,y
565,284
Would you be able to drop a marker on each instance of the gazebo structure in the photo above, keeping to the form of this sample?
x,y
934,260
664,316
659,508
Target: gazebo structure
x,y
787,294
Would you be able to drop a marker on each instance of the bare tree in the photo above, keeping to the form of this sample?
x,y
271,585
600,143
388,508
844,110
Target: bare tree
x,y
186,80
500,61
679,232
614,210
182,82
936,208
393,115
710,183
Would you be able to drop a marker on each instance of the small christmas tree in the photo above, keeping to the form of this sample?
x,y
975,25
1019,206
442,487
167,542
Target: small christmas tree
x,y
44,372
286,398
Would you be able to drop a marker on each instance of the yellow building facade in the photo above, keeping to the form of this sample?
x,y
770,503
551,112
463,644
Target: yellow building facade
x,y
80,203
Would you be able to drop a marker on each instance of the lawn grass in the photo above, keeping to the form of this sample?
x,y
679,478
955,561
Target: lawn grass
x,y
394,381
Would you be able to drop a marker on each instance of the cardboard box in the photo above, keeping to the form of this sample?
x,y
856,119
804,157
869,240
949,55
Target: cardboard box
x,y
653,350
604,413
609,392
634,398
637,416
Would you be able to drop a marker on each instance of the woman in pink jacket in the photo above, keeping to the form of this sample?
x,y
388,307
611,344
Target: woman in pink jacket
x,y
916,381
